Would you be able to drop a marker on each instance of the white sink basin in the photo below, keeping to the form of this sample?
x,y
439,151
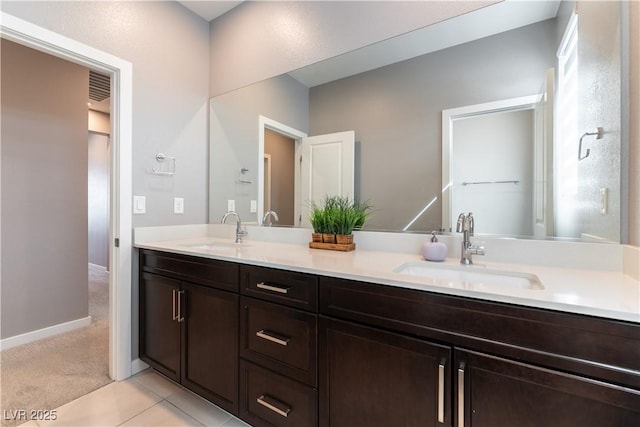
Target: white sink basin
x,y
471,277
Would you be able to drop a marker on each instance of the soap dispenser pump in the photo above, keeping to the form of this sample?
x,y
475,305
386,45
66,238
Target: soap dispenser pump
x,y
434,250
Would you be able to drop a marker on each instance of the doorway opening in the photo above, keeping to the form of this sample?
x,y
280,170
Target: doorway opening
x,y
494,144
277,148
120,236
279,176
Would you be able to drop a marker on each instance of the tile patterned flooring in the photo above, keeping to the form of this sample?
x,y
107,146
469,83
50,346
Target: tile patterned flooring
x,y
145,399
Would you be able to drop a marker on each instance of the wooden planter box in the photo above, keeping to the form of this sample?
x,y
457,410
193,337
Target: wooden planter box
x,y
340,242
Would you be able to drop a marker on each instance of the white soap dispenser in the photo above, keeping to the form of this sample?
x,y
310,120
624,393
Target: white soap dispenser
x,y
434,250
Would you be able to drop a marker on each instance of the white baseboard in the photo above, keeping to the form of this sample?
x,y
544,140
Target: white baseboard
x,y
138,365
44,333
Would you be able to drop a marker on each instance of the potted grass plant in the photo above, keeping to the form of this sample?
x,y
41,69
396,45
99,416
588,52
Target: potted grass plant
x,y
336,218
317,218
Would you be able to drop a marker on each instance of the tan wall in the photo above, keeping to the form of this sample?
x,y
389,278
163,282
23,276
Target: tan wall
x,y
282,150
99,122
44,190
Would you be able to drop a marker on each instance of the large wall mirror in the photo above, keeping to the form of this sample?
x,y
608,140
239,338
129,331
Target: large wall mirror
x,y
482,113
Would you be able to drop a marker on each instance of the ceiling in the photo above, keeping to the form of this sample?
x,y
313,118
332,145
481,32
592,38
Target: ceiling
x,y
210,10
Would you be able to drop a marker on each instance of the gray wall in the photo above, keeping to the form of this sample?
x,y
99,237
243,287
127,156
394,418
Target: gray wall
x,y
44,190
263,39
168,46
234,137
396,114
599,79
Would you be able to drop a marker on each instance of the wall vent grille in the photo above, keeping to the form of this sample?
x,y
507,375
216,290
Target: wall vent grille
x,y
99,86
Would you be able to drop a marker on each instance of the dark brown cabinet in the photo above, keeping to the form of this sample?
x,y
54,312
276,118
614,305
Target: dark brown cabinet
x,y
189,333
278,348
370,377
528,367
282,348
159,331
494,392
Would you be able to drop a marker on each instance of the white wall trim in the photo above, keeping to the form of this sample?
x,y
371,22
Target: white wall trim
x,y
28,34
44,333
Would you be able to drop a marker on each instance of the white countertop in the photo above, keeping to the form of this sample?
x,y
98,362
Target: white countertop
x,y
603,293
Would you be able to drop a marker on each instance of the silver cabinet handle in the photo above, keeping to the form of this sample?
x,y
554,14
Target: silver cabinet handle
x,y
173,304
264,401
180,316
273,288
441,367
270,336
461,395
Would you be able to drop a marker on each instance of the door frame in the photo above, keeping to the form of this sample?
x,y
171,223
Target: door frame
x,y
453,114
263,124
120,218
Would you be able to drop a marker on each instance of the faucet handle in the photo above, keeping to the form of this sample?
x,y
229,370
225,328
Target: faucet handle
x,y
460,223
470,222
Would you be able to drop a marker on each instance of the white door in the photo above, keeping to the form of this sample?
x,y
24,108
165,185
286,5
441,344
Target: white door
x,y
325,167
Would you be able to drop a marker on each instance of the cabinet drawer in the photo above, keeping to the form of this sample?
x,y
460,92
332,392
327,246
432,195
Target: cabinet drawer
x,y
268,399
204,271
279,338
285,287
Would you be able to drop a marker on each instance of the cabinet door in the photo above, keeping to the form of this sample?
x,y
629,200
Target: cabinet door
x,y
159,331
369,377
494,392
210,344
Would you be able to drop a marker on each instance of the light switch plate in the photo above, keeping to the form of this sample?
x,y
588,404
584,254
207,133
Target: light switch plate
x,y
231,205
604,201
254,206
178,205
139,205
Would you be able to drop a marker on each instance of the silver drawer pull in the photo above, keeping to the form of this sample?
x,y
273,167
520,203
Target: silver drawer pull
x,y
273,288
461,395
270,336
441,367
173,304
263,400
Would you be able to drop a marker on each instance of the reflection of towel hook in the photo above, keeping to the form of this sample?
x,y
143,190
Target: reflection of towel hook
x,y
172,167
598,133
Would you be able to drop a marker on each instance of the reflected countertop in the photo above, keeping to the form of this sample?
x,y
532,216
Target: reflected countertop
x,y
602,293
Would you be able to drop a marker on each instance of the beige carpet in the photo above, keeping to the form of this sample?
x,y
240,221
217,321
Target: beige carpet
x,y
51,372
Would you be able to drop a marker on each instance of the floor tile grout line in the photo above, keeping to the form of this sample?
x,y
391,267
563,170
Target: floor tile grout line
x,y
200,421
139,413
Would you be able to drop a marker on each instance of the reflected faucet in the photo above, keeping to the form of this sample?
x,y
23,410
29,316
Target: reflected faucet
x,y
270,214
240,233
465,225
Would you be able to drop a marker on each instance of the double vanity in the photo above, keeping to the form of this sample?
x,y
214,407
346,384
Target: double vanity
x,y
280,334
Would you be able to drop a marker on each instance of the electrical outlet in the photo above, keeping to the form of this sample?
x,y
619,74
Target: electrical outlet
x,y
139,205
231,205
254,206
178,205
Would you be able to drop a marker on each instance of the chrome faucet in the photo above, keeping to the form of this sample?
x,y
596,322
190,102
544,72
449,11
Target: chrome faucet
x,y
240,233
273,215
465,226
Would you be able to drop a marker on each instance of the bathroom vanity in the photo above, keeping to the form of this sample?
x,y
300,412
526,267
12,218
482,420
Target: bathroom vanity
x,y
279,334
